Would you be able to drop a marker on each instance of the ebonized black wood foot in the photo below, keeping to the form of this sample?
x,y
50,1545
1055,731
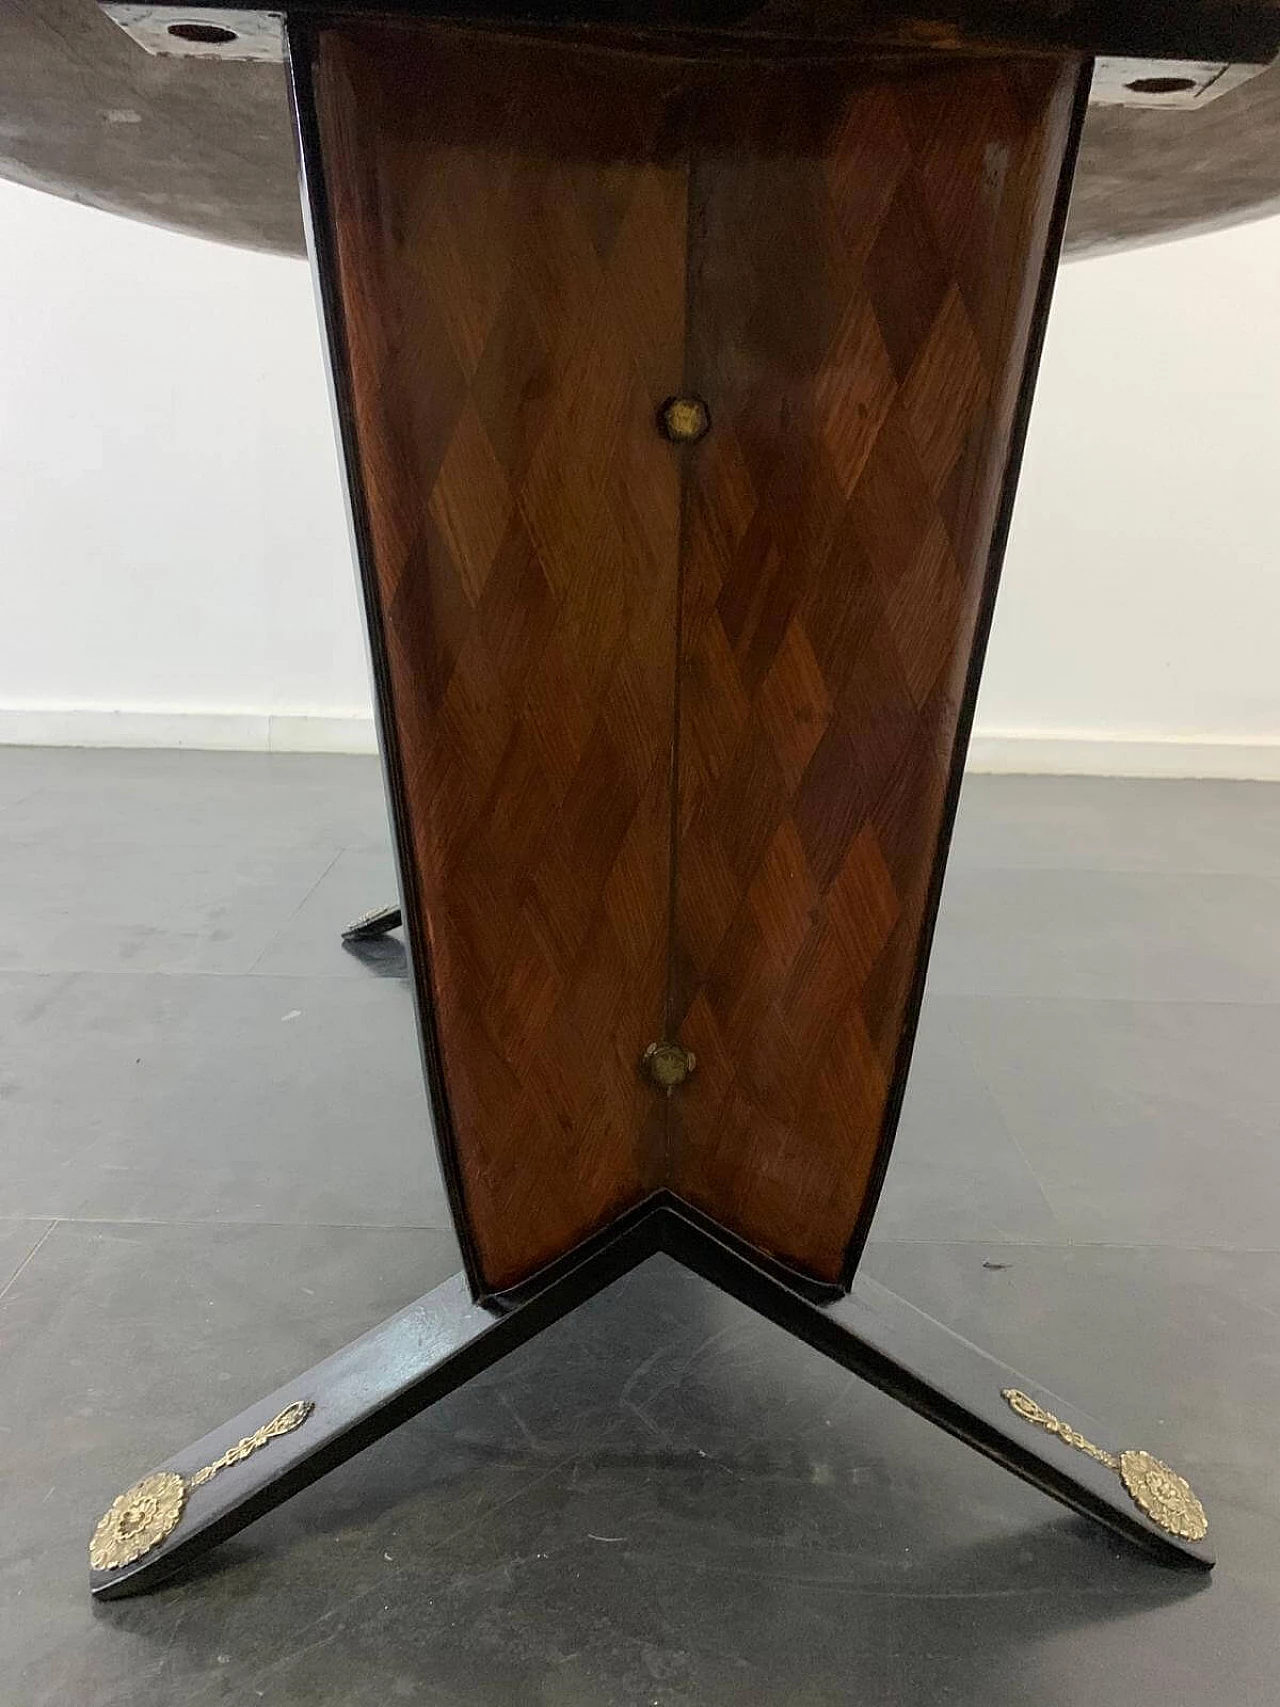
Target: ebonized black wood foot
x,y
433,1346
374,924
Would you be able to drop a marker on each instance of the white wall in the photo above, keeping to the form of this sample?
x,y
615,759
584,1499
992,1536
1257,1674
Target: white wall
x,y
1138,626
174,564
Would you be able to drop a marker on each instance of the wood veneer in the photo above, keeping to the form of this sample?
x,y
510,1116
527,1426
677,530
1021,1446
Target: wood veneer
x,y
866,262
673,729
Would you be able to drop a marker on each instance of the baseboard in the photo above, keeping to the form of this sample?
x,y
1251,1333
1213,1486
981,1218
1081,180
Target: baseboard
x,y
236,731
999,752
1028,753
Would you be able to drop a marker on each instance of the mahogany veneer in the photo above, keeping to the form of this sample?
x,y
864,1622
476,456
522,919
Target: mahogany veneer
x,y
674,726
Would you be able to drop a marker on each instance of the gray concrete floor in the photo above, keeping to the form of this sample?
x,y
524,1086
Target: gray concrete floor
x,y
215,1167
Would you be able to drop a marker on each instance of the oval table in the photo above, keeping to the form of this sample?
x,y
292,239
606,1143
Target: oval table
x,y
681,357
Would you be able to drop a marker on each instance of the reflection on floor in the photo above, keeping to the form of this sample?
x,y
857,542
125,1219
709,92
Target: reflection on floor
x,y
215,1166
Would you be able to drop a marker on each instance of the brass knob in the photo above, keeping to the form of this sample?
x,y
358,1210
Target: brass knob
x,y
684,419
668,1065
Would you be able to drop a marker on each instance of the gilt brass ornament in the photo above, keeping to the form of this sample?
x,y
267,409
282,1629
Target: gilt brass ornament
x,y
1164,1495
668,1065
684,420
149,1512
137,1520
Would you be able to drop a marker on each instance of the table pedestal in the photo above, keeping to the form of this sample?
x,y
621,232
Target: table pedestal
x,y
682,385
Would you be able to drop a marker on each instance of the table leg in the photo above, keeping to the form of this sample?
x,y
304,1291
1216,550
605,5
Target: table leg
x,y
425,1351
373,924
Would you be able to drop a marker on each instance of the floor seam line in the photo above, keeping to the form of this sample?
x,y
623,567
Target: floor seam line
x,y
28,1259
275,936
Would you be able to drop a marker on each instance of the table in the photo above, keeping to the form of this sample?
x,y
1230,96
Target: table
x,y
681,361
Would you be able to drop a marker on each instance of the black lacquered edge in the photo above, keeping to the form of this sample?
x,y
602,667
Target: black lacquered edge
x,y
1235,31
816,1291
942,1376
360,1394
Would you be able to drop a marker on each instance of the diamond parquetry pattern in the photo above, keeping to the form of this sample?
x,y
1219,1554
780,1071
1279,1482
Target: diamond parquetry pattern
x,y
579,617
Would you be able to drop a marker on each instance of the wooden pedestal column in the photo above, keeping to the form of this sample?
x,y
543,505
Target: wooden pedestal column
x,y
674,727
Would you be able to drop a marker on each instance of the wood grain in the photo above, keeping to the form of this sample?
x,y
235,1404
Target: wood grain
x,y
511,247
673,725
867,254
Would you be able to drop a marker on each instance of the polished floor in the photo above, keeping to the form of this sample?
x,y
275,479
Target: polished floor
x,y
215,1167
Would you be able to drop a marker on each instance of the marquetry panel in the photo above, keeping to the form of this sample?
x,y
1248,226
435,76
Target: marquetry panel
x,y
867,254
673,724
511,244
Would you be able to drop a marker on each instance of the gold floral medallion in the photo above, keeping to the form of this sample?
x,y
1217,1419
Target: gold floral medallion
x,y
149,1512
1165,1496
138,1520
